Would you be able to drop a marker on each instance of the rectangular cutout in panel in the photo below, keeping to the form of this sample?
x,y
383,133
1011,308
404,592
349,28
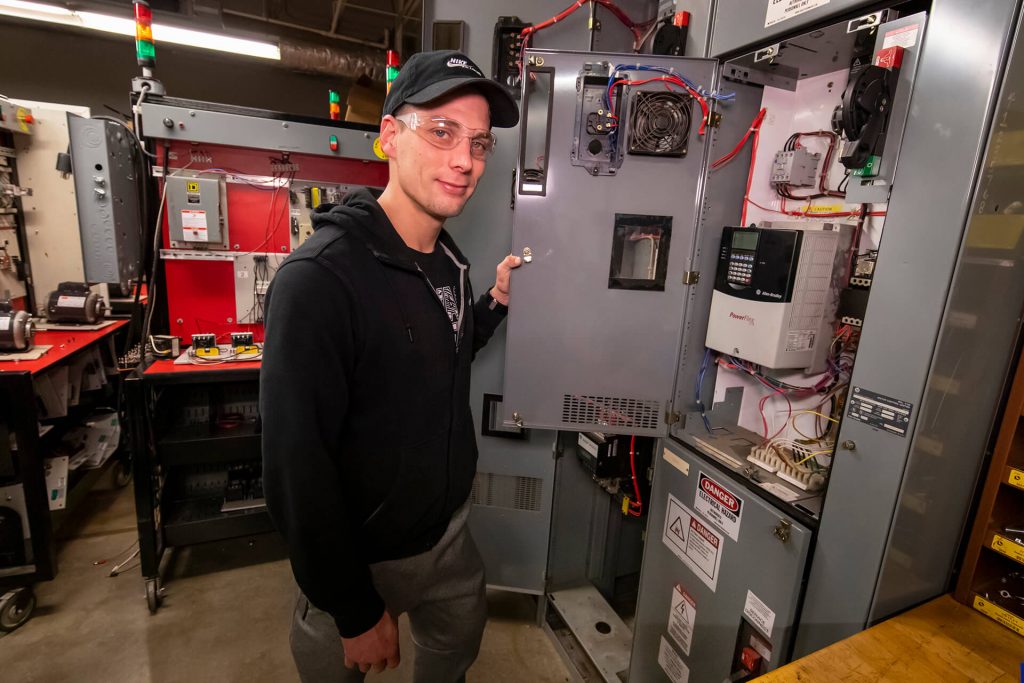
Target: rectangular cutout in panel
x,y
449,35
606,411
538,90
640,252
507,491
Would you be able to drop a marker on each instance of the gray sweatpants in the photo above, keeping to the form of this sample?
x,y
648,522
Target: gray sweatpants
x,y
443,592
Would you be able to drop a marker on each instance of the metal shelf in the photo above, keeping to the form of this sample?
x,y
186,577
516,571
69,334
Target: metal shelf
x,y
199,520
208,443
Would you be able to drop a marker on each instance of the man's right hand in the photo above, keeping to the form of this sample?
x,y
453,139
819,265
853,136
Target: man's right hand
x,y
375,649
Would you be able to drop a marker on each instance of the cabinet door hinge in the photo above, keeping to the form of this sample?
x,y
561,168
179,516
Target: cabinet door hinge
x,y
691,277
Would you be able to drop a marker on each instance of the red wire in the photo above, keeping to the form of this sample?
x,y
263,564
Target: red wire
x,y
668,80
639,504
754,125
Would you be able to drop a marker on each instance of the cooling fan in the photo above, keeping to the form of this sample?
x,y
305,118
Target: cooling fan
x,y
659,124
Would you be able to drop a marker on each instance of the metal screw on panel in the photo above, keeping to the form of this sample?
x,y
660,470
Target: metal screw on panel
x,y
180,321
781,531
236,246
168,123
849,445
284,125
284,248
527,254
231,320
192,113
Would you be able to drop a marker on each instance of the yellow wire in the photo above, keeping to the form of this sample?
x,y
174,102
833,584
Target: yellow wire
x,y
815,412
792,423
798,462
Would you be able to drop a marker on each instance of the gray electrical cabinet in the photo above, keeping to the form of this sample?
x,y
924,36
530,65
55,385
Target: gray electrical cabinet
x,y
106,167
722,574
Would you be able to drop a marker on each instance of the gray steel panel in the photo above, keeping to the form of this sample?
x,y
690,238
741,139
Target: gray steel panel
x,y
918,253
514,543
723,201
758,562
107,197
965,386
565,322
238,130
741,23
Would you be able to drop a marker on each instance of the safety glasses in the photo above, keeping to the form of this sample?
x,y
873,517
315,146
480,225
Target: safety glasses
x,y
445,133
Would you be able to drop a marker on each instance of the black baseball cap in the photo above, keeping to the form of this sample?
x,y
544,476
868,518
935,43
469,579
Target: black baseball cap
x,y
430,75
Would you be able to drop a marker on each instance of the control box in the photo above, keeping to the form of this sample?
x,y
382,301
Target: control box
x,y
776,293
194,212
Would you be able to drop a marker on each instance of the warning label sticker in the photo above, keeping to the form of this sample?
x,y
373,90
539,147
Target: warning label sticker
x,y
697,546
882,412
759,614
193,225
781,10
681,618
903,37
672,664
721,507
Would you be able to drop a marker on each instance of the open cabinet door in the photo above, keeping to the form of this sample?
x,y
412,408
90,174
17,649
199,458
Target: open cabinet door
x,y
606,207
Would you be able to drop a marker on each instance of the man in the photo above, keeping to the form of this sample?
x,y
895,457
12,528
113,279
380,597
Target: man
x,y
369,451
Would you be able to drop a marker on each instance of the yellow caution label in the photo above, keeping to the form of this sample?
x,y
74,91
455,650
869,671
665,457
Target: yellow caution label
x,y
1005,546
625,505
314,195
22,115
1016,478
378,150
192,187
1007,619
825,208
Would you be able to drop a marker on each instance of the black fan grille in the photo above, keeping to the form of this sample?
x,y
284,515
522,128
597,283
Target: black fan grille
x,y
659,123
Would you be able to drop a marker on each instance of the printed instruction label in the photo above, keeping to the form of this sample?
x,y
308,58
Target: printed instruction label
x,y
800,340
681,618
697,546
677,462
672,664
193,225
587,445
70,301
1007,619
721,507
781,10
1016,478
880,411
5,323
903,37
759,614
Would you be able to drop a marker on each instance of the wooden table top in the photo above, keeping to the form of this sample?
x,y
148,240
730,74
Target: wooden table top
x,y
941,640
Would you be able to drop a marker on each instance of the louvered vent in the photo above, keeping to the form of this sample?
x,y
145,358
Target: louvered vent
x,y
507,491
607,411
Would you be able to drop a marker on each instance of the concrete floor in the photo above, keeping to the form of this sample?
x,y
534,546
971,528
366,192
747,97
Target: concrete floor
x,y
225,616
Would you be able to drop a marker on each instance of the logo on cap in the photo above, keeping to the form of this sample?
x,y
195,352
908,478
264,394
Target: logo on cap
x,y
456,62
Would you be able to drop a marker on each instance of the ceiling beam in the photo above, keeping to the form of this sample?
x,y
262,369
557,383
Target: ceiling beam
x,y
339,6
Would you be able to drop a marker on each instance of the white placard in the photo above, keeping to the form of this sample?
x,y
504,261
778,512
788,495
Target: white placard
x,y
193,225
760,615
681,618
57,482
904,37
587,445
781,10
721,506
780,491
677,462
5,323
672,664
699,547
70,301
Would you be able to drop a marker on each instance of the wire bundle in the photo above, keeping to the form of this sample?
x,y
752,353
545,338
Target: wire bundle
x,y
670,77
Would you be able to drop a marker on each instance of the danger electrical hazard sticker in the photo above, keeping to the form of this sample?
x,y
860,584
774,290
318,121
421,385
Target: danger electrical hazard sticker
x,y
693,542
719,505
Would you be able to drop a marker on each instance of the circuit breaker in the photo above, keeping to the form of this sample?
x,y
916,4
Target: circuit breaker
x,y
194,212
776,291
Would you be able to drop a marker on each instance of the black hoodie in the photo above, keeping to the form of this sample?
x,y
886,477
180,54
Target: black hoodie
x,y
368,442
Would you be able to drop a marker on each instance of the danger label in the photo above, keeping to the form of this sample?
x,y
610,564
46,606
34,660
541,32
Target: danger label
x,y
672,664
697,546
681,618
719,505
193,225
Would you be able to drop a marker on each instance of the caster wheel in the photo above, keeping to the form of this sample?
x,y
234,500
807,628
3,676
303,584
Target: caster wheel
x,y
123,475
153,598
16,608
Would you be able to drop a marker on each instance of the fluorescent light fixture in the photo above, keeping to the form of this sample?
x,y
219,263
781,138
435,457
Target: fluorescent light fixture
x,y
162,33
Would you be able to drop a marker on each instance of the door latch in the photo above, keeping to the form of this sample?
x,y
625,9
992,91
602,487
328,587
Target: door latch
x,y
782,530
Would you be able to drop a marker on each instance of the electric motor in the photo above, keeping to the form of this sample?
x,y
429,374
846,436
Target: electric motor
x,y
74,302
16,330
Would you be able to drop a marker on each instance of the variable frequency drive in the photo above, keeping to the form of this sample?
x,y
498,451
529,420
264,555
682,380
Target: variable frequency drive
x,y
776,293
